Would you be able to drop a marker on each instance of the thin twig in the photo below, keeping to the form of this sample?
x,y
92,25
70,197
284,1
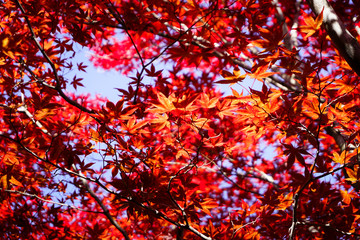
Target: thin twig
x,y
105,209
47,200
50,62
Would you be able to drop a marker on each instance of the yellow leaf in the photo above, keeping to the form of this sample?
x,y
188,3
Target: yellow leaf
x,y
10,159
206,102
201,123
237,72
181,153
10,54
166,104
312,25
207,205
339,158
5,43
3,181
345,197
231,78
47,45
133,127
161,121
95,135
43,113
318,20
285,202
15,182
352,175
235,93
261,73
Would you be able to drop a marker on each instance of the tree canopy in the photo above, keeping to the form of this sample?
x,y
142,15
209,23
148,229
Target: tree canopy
x,y
174,157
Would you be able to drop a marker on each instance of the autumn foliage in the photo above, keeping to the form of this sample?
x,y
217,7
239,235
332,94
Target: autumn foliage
x,y
174,157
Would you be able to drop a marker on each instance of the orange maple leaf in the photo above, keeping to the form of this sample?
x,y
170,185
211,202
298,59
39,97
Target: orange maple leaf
x,y
231,78
261,73
166,104
311,25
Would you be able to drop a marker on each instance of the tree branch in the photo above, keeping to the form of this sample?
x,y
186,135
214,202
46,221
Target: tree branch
x,y
105,209
345,43
52,65
328,225
47,200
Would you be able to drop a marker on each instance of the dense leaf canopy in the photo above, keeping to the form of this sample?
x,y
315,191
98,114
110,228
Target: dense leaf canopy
x,y
174,157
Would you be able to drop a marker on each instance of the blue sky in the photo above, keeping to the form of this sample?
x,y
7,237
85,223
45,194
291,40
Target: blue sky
x,y
104,82
96,80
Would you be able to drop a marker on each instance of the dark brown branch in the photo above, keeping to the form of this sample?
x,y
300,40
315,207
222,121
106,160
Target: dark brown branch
x,y
345,43
105,209
296,198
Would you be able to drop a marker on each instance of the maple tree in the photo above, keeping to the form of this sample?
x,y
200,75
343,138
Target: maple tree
x,y
175,158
